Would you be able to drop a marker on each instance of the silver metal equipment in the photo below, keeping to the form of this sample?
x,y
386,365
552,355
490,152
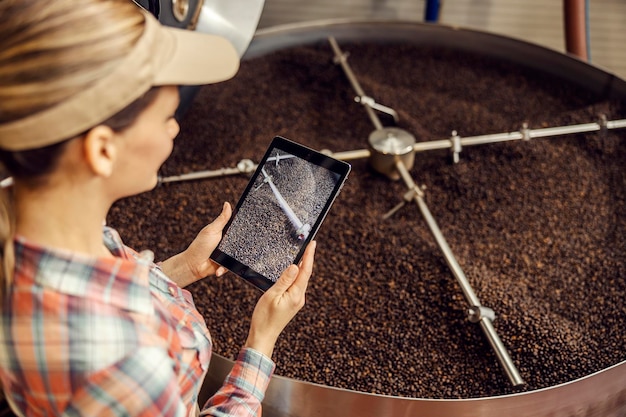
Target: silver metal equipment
x,y
236,21
602,394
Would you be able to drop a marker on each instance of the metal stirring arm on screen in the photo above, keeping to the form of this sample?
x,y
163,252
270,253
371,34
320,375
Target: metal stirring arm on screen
x,y
302,229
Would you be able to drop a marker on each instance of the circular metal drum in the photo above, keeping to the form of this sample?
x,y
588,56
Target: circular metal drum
x,y
372,284
599,395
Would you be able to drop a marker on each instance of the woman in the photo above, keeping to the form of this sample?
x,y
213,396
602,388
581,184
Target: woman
x,y
88,90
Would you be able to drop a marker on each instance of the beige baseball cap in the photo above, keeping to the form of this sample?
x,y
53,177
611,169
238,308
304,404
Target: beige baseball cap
x,y
162,56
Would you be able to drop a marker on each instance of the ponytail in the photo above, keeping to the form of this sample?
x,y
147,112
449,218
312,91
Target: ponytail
x,y
7,232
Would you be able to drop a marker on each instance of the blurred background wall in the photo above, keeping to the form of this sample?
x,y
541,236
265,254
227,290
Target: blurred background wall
x,y
536,21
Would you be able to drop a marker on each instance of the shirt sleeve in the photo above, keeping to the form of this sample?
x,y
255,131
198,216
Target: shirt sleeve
x,y
141,384
244,387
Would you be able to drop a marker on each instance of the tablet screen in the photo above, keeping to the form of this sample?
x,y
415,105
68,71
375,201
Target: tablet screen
x,y
279,212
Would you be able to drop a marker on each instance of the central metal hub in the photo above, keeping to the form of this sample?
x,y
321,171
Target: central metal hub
x,y
389,145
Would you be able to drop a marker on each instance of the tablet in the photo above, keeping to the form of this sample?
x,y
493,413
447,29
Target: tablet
x,y
279,212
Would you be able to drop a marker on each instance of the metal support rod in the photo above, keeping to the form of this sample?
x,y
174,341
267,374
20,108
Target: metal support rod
x,y
223,172
342,59
349,155
302,230
245,166
485,322
523,134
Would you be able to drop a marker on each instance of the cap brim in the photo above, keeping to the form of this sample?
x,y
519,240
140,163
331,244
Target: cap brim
x,y
196,58
161,56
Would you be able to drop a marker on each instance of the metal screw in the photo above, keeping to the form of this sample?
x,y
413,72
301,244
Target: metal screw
x,y
180,8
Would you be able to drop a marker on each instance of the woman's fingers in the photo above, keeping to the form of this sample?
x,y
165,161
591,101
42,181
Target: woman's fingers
x,y
295,279
217,225
280,304
197,253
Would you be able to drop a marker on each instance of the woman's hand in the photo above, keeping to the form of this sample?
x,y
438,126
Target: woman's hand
x,y
280,303
194,263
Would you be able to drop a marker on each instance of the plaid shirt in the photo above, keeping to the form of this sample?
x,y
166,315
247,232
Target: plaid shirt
x,y
85,336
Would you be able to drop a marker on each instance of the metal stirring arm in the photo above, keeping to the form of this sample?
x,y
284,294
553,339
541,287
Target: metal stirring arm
x,y
476,313
245,166
456,143
368,102
302,229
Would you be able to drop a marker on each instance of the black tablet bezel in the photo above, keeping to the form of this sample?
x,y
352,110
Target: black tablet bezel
x,y
341,168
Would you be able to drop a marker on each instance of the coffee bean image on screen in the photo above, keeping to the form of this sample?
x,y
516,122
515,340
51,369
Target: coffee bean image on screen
x,y
274,220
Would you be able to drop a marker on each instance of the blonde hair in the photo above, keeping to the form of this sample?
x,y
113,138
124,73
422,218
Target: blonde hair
x,y
49,51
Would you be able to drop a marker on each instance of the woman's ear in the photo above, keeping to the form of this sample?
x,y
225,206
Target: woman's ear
x,y
100,150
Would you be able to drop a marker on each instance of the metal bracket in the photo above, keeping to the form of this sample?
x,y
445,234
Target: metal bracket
x,y
369,101
476,313
246,166
406,198
341,58
525,131
457,147
604,125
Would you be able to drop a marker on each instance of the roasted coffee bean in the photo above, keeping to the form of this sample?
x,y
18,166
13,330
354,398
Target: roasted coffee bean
x,y
538,226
